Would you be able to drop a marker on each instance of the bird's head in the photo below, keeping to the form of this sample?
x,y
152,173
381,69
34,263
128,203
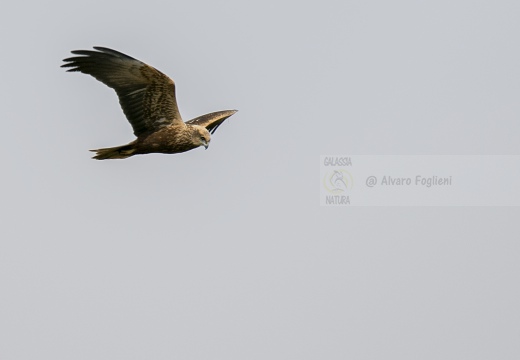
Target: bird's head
x,y
200,136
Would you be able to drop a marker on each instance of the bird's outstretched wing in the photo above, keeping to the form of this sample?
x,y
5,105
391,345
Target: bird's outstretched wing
x,y
212,120
146,95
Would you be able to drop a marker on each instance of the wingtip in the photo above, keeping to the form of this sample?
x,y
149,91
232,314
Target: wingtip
x,y
230,112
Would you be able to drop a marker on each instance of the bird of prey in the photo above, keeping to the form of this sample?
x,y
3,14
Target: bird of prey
x,y
147,97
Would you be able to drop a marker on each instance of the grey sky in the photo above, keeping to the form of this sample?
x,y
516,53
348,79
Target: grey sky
x,y
226,253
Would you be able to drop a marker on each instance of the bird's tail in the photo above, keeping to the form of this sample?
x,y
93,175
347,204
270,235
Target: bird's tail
x,y
118,152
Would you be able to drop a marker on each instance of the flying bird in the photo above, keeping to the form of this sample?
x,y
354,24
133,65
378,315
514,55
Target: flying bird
x,y
147,97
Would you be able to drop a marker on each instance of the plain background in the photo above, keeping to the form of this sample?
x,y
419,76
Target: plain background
x,y
226,253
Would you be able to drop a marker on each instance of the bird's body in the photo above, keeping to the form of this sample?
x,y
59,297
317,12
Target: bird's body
x,y
168,140
147,97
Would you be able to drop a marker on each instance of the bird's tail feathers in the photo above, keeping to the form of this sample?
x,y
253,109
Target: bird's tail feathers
x,y
118,152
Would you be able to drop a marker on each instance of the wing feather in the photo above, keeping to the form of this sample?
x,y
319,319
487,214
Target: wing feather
x,y
213,120
146,95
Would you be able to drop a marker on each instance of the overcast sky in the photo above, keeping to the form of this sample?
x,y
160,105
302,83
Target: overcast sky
x,y
226,253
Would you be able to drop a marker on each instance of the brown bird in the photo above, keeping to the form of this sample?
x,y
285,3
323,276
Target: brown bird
x,y
147,97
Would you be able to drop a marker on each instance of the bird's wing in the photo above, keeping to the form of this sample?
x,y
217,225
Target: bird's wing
x,y
213,120
146,95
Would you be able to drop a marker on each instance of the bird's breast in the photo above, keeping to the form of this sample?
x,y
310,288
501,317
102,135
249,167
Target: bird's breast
x,y
168,140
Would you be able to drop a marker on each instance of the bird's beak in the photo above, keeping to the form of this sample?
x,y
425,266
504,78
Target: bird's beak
x,y
205,144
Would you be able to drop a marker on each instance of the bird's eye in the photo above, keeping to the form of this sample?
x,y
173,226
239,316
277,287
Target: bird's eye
x,y
202,138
